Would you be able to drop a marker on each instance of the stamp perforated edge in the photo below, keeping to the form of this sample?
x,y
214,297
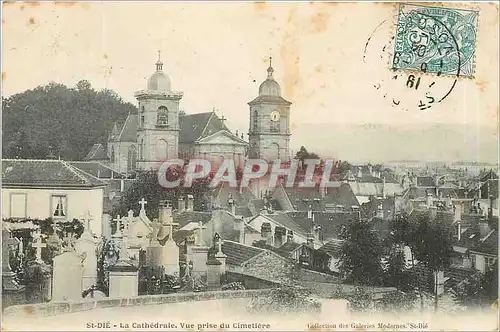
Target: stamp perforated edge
x,y
392,38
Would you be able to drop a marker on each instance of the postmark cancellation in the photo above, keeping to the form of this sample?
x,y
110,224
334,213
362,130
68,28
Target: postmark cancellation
x,y
435,40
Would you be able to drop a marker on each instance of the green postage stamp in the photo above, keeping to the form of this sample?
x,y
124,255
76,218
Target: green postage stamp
x,y
435,40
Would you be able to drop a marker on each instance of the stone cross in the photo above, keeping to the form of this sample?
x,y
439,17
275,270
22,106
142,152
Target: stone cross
x,y
38,244
219,245
118,232
199,238
142,202
88,218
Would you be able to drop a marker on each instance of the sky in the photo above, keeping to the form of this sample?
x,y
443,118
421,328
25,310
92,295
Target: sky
x,y
217,55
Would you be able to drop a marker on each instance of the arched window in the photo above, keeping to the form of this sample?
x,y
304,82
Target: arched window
x,y
141,150
162,117
275,151
255,120
161,149
112,157
131,158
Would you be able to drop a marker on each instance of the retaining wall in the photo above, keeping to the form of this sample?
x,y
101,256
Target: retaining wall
x,y
63,307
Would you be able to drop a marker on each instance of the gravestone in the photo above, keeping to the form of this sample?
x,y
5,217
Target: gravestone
x,y
12,292
67,277
213,274
154,250
86,246
124,274
199,253
220,256
170,250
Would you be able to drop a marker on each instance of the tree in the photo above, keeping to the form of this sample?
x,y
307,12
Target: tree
x,y
147,186
432,245
361,252
56,119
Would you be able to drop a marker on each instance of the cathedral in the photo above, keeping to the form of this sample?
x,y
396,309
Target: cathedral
x,y
161,131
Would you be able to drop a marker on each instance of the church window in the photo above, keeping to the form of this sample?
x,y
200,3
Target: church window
x,y
141,150
59,207
142,121
132,158
275,126
143,109
162,119
255,120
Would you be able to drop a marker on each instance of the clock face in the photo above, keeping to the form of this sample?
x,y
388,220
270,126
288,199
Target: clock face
x,y
275,116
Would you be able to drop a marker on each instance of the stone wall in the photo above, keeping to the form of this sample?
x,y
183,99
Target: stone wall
x,y
309,275
63,307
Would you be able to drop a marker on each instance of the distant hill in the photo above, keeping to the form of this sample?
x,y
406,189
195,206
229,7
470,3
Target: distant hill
x,y
59,120
381,143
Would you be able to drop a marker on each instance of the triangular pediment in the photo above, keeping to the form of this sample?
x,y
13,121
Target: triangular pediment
x,y
222,137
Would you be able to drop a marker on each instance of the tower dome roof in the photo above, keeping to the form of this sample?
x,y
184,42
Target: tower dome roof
x,y
270,87
159,81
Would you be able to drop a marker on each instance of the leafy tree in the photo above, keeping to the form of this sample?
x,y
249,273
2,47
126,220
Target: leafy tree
x,y
303,154
361,252
361,300
148,187
287,298
478,289
398,301
432,245
59,120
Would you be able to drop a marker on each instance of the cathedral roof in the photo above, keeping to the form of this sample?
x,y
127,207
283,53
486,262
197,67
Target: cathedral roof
x,y
200,125
128,132
97,152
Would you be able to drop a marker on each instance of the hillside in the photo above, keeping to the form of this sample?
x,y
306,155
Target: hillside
x,y
59,120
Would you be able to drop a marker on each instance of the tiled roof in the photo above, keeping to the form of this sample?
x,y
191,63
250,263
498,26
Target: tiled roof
x,y
224,191
97,169
332,247
45,173
128,133
270,99
301,198
425,181
186,217
330,222
489,244
238,253
196,126
289,246
97,152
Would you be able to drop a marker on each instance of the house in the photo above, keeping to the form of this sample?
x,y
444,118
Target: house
x,y
116,182
40,189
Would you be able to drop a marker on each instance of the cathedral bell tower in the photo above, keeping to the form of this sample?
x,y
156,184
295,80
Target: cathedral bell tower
x,y
158,121
269,131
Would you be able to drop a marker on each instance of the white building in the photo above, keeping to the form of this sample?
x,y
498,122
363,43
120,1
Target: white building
x,y
39,189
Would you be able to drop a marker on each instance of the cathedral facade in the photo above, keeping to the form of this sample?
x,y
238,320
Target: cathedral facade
x,y
161,131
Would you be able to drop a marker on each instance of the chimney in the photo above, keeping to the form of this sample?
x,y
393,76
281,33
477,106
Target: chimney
x,y
181,205
239,226
490,208
380,211
360,173
279,234
309,212
370,169
429,200
289,236
398,203
232,204
165,212
458,212
484,229
459,230
317,233
383,187
190,203
122,185
266,232
432,212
